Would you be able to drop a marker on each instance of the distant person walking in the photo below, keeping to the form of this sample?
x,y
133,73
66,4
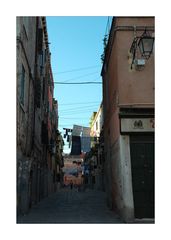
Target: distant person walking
x,y
71,184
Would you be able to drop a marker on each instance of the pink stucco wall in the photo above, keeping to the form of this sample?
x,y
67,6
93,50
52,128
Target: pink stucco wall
x,y
135,87
123,87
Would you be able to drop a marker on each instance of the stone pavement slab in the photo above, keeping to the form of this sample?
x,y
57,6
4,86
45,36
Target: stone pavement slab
x,y
71,206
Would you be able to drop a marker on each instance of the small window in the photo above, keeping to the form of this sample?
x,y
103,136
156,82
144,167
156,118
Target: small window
x,y
40,40
22,85
96,125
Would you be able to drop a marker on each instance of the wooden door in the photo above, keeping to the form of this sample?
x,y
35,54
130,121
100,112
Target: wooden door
x,y
142,162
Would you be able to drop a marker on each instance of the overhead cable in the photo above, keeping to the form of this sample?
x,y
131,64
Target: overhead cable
x,y
75,70
80,107
82,76
78,83
72,118
78,103
77,112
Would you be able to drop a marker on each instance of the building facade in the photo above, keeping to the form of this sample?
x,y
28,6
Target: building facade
x,y
26,29
36,118
59,158
128,107
94,158
96,124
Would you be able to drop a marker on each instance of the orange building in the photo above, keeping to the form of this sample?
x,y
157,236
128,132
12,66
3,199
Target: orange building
x,y
73,170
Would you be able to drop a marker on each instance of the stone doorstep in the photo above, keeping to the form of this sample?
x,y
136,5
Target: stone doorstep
x,y
144,220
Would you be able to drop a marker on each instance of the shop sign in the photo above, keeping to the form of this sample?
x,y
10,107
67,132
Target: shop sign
x,y
137,125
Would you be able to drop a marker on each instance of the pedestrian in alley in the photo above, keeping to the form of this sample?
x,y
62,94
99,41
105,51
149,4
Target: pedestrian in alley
x,y
71,184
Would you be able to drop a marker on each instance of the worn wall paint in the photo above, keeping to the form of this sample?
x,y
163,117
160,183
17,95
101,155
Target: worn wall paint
x,y
126,179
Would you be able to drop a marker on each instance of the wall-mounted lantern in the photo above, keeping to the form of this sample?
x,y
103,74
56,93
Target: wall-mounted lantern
x,y
145,43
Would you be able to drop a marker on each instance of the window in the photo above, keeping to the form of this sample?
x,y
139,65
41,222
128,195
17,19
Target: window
x,y
40,40
41,60
38,92
96,125
43,88
22,85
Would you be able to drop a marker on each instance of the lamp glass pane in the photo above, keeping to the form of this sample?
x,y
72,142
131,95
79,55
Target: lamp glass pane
x,y
147,44
141,46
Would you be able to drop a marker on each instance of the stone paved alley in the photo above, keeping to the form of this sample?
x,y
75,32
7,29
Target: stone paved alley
x,y
71,206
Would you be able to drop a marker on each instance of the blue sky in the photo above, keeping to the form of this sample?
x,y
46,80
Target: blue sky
x,y
76,45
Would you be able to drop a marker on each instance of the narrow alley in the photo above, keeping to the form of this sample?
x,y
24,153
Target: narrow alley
x,y
85,123
72,206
